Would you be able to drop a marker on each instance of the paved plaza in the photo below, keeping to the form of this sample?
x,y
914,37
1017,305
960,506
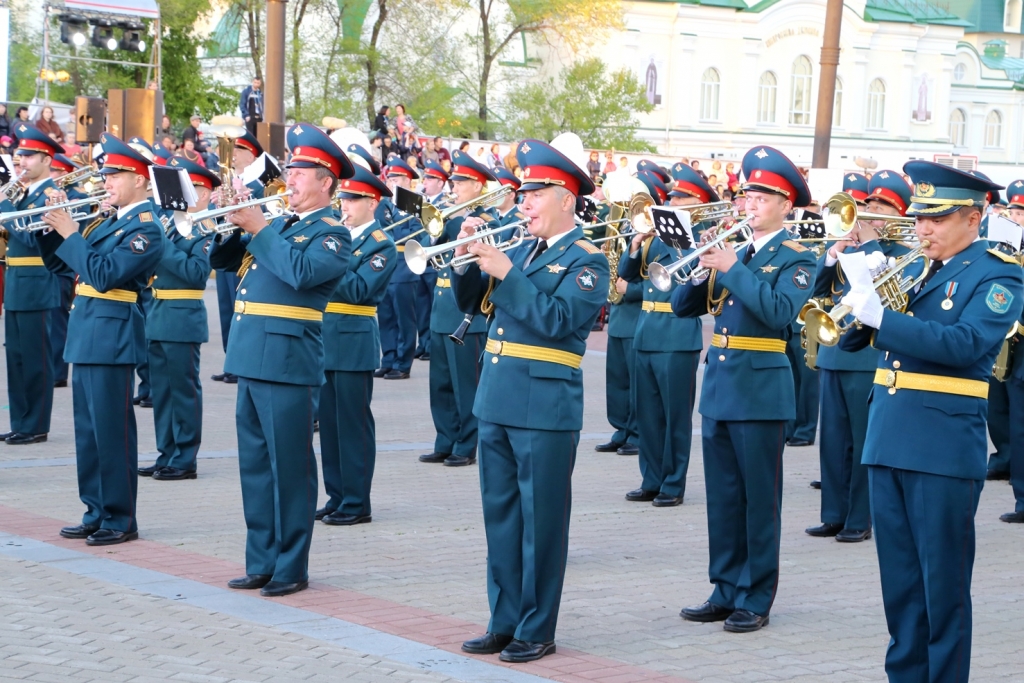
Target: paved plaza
x,y
392,601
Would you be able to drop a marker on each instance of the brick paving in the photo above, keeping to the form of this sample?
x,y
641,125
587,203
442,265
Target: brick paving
x,y
418,570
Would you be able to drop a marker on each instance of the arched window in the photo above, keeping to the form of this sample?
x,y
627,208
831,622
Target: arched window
x,y
710,84
876,105
800,96
837,105
994,129
957,127
959,72
766,90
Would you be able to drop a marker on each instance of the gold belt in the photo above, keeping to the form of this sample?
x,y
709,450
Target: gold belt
x,y
122,295
178,293
444,282
513,350
896,379
748,343
351,309
25,261
400,247
278,311
656,306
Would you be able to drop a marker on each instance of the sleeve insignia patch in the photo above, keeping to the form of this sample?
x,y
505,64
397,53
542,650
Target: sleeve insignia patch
x,y
802,278
332,244
587,280
139,244
999,299
206,246
587,247
795,246
378,261
379,235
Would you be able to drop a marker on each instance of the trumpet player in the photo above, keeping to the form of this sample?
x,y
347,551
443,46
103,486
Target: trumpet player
x,y
31,297
433,184
1014,385
747,397
113,262
846,377
667,350
454,368
508,211
352,353
926,444
176,327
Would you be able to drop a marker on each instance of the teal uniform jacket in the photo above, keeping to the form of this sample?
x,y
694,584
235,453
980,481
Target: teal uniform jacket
x,y
184,264
445,314
28,288
763,300
623,316
390,214
513,216
659,332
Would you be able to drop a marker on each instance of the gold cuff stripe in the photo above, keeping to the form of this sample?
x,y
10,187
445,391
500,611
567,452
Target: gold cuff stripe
x,y
25,261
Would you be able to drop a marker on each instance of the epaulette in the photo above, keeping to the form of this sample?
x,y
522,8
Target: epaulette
x,y
1003,257
519,215
146,217
795,246
333,222
587,246
49,191
379,235
210,223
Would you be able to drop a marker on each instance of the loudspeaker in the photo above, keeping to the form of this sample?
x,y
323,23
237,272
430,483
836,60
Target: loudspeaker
x,y
90,118
272,139
135,112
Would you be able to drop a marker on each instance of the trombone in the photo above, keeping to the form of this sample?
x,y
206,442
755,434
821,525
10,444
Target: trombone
x,y
638,216
74,177
892,285
418,256
184,222
433,218
662,276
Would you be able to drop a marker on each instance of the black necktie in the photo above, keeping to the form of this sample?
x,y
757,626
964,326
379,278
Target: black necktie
x,y
542,246
934,268
292,220
749,254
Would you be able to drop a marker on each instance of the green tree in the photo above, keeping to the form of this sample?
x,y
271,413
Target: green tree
x,y
585,99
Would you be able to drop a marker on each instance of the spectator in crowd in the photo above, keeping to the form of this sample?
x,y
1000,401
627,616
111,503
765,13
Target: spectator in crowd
x,y
464,147
623,164
387,148
594,166
5,121
442,153
165,127
152,85
21,114
48,125
429,153
410,145
168,142
720,190
731,177
446,164
716,170
413,161
71,146
511,162
494,158
403,122
381,123
251,104
481,158
695,165
609,162
6,144
193,133
712,180
188,150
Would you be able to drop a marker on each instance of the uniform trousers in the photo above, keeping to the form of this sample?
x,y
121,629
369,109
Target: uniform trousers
x,y
999,426
1015,393
348,449
396,315
844,480
177,402
526,489
277,466
106,445
424,304
805,382
924,535
454,375
743,477
620,392
144,304
59,328
666,387
227,284
29,370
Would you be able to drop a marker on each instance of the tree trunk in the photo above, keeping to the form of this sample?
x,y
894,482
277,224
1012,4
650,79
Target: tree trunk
x,y
371,61
252,25
300,14
485,71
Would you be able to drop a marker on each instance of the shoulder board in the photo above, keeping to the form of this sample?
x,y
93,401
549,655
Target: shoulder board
x,y
587,246
49,191
333,222
379,235
210,223
1003,257
795,246
520,215
146,217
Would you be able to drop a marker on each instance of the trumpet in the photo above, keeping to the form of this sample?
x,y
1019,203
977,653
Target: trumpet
x,y
27,213
74,177
712,211
186,221
13,191
892,285
77,216
418,256
662,276
840,215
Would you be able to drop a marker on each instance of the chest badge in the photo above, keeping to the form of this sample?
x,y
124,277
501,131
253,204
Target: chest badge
x,y
357,252
118,233
947,303
300,238
769,269
555,268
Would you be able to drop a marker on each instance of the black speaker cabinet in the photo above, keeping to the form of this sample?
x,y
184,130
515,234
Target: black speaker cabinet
x,y
90,118
272,139
135,112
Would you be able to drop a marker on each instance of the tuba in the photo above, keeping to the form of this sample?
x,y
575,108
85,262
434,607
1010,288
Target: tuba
x,y
613,248
1004,361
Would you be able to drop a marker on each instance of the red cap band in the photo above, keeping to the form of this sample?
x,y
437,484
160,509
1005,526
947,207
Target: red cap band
x,y
123,163
245,144
1017,199
356,187
859,195
470,173
509,182
159,160
399,171
770,181
35,145
318,157
58,165
889,197
693,190
549,175
202,180
434,173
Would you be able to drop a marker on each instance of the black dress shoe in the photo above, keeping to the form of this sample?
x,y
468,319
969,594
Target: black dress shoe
x,y
110,537
277,589
419,352
519,651
323,512
230,379
434,457
663,500
174,474
745,621
629,449
824,531
7,435
80,531
396,374
219,378
853,535
816,484
706,613
1012,517
381,372
25,439
60,384
641,496
796,443
316,425
250,582
149,471
425,356
993,475
487,644
340,519
459,460
146,402
609,447
139,399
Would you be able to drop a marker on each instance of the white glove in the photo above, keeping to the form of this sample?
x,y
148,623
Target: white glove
x,y
867,307
876,261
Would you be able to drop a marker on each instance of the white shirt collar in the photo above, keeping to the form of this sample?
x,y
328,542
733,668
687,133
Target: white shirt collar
x,y
761,241
358,232
37,184
555,238
123,211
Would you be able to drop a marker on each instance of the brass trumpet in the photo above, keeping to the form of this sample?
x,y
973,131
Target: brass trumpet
x,y
184,222
892,285
661,276
27,213
840,215
418,256
71,178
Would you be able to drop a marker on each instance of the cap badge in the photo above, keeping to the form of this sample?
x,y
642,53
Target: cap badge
x,y
298,130
761,154
525,148
884,175
925,190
